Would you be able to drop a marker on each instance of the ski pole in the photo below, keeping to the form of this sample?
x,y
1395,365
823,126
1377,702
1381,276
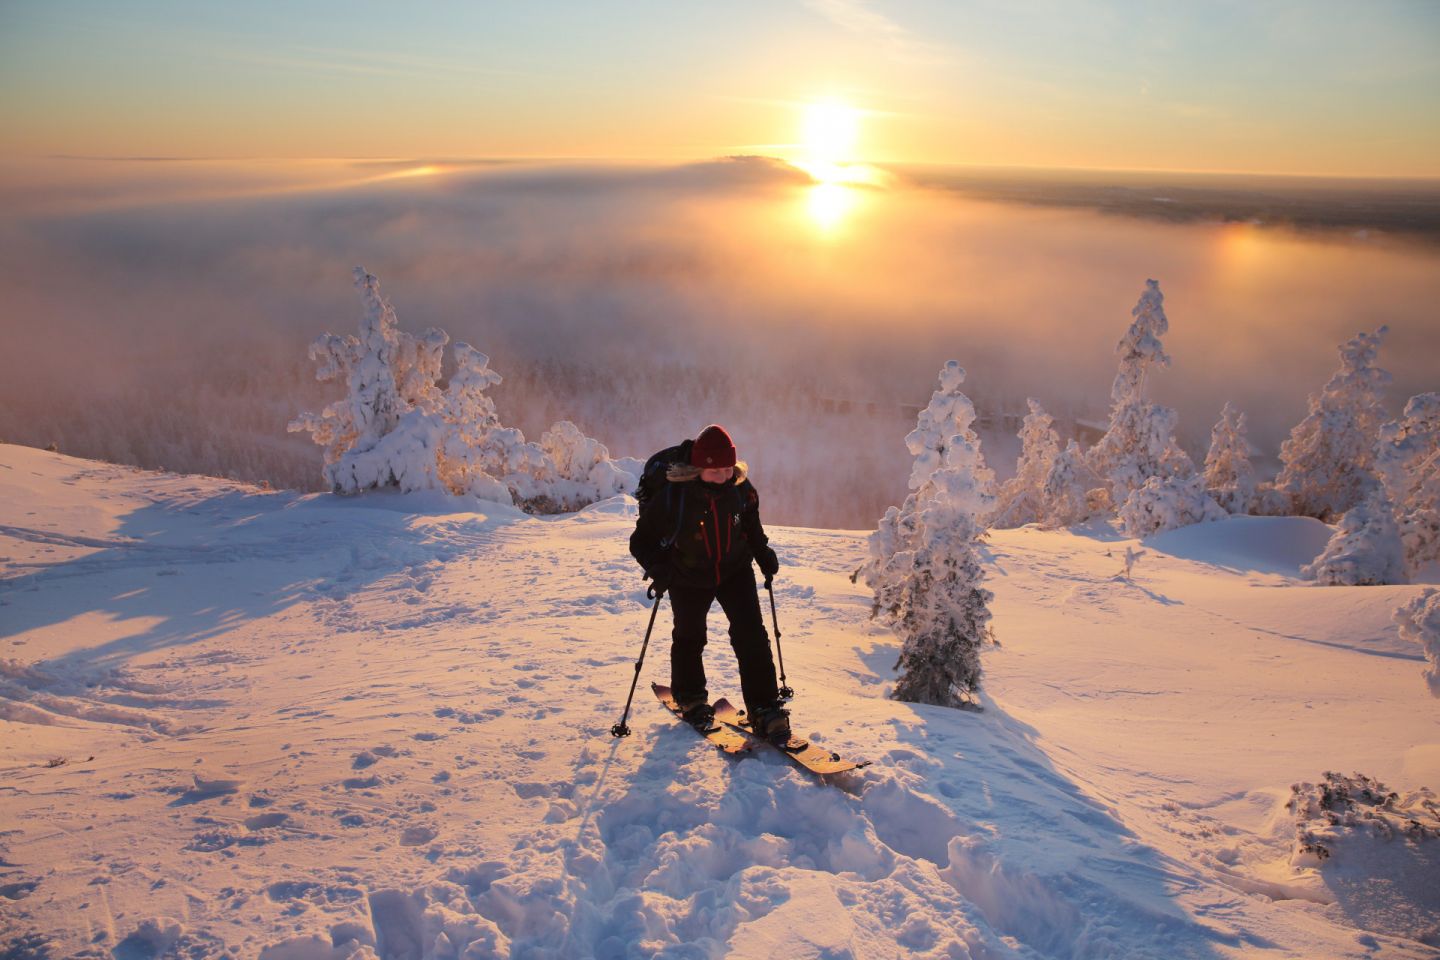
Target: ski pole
x,y
621,729
786,691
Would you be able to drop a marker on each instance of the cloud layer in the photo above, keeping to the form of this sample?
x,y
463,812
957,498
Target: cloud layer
x,y
644,303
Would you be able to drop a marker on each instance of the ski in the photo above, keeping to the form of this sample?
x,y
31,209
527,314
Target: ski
x,y
728,739
806,754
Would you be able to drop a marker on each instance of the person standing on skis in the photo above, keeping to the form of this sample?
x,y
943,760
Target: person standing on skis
x,y
697,533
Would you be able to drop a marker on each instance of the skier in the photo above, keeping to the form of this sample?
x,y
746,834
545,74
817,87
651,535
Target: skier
x,y
698,530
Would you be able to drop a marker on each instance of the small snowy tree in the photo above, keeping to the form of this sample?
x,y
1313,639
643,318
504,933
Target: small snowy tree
x,y
1419,621
1140,442
1229,477
944,611
1063,497
924,563
1365,549
1330,455
1408,461
1168,503
1021,498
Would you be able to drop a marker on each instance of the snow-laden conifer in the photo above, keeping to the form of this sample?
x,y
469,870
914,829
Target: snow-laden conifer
x,y
1408,461
1168,503
1419,621
924,563
1229,477
1140,442
1063,497
397,428
1021,499
944,612
1365,549
1329,457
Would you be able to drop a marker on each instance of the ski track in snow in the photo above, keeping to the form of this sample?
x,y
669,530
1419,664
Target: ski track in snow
x,y
260,724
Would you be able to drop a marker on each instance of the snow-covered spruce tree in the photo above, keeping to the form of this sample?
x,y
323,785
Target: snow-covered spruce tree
x,y
946,420
365,445
1419,620
924,565
944,613
370,408
1330,455
1140,442
1063,497
1408,461
1020,499
1229,477
1168,503
1365,549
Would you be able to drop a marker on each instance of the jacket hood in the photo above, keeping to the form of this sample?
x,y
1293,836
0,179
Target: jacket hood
x,y
684,473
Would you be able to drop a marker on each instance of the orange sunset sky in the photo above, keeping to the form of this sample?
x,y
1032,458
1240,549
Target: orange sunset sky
x,y
1270,87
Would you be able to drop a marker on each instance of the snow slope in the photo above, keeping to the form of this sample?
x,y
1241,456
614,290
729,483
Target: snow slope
x,y
244,723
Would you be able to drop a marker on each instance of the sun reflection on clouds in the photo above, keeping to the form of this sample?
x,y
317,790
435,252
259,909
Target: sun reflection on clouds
x,y
828,204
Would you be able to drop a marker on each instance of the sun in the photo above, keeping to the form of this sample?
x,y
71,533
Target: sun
x,y
831,130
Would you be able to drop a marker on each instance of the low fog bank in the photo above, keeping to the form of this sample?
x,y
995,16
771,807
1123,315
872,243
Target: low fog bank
x,y
168,329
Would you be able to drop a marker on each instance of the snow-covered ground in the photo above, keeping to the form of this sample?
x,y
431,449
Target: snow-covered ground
x,y
246,723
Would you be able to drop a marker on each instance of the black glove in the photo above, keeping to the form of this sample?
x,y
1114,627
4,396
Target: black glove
x,y
769,563
659,577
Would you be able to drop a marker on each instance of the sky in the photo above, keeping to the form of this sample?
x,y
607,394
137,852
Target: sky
x,y
1310,87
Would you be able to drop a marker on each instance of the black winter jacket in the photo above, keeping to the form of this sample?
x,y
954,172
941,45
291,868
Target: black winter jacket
x,y
703,532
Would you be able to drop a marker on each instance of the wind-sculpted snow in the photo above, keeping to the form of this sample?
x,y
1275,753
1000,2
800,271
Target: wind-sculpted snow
x,y
378,728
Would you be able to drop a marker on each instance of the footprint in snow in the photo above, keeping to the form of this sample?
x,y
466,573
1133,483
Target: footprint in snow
x,y
19,891
361,783
417,836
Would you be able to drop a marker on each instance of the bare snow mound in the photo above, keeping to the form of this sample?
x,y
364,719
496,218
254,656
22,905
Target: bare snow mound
x,y
1280,545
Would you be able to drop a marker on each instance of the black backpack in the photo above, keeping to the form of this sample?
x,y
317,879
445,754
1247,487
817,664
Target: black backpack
x,y
652,478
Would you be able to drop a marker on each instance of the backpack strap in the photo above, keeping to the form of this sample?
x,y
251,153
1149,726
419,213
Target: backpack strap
x,y
679,514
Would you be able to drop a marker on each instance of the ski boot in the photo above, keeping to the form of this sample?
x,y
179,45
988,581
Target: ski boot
x,y
699,715
773,723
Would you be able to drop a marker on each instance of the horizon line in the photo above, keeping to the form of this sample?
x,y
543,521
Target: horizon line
x,y
497,159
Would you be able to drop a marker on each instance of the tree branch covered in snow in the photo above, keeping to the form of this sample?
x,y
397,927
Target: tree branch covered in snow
x,y
397,428
1419,620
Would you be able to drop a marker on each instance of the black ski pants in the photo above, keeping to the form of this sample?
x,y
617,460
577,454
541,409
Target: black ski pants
x,y
741,603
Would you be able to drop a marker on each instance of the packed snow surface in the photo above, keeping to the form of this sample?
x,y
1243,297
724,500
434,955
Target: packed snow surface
x,y
256,724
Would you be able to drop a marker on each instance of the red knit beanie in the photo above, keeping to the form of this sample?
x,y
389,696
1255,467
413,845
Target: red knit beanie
x,y
713,449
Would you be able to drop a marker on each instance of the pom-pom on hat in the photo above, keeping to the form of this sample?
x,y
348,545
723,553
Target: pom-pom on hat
x,y
713,449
